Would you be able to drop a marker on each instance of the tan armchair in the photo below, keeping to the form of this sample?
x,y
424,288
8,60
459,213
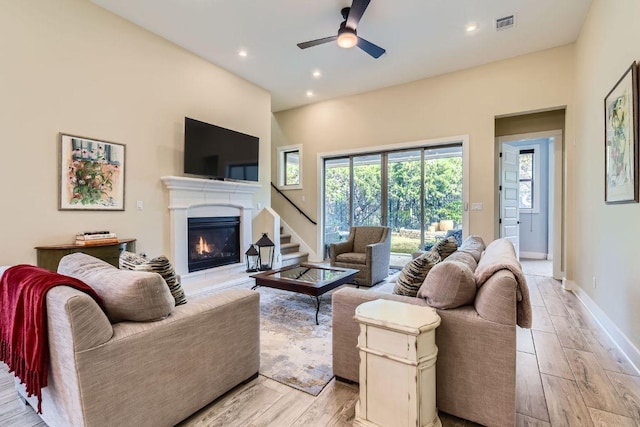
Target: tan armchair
x,y
367,249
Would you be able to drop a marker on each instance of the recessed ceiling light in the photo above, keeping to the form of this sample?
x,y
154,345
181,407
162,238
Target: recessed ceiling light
x,y
316,74
242,53
471,28
309,93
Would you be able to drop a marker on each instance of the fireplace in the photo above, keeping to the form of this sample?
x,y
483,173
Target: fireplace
x,y
212,242
200,198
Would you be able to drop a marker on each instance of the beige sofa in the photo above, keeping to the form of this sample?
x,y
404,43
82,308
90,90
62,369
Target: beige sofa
x,y
142,373
476,365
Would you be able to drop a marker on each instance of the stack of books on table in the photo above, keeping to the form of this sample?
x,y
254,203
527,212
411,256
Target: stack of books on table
x,y
95,238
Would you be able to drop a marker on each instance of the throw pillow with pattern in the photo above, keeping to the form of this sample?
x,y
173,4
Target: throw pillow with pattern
x,y
413,274
446,247
160,265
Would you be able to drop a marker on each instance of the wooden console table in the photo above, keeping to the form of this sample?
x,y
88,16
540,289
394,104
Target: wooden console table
x,y
50,256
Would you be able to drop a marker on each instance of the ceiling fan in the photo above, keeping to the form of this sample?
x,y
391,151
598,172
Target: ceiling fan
x,y
347,36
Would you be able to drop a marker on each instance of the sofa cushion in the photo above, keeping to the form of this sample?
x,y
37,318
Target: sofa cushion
x,y
446,247
128,295
449,284
473,245
465,258
160,265
352,258
412,275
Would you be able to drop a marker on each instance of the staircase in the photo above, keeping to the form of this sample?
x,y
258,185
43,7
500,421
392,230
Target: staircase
x,y
290,252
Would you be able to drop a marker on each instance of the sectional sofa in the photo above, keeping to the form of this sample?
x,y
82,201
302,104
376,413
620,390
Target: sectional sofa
x,y
476,364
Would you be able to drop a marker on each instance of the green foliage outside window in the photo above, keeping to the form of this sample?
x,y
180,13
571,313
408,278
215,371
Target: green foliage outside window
x,y
336,199
292,168
443,195
443,189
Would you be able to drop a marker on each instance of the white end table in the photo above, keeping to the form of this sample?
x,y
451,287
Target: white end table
x,y
397,365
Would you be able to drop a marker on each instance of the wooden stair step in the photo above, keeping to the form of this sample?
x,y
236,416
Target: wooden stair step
x,y
287,248
294,258
285,238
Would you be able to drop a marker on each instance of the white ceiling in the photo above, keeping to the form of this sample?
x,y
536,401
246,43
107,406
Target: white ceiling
x,y
422,37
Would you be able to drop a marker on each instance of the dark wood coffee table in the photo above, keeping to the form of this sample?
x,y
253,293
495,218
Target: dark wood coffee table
x,y
306,279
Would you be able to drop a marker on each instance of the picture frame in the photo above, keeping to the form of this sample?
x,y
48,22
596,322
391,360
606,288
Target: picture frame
x,y
91,174
621,140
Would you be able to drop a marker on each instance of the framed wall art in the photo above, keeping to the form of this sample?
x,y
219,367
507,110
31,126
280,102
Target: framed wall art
x,y
621,140
92,174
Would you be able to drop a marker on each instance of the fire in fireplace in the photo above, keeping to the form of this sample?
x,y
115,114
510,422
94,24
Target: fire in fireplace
x,y
213,242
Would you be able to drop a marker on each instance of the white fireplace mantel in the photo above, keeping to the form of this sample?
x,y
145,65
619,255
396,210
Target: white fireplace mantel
x,y
194,198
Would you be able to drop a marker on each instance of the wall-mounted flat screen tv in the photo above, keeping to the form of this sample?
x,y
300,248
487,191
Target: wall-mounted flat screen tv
x,y
215,152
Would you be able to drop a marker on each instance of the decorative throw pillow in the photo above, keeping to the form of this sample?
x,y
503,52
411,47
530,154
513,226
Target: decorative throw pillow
x,y
473,245
138,296
160,265
455,233
129,260
412,275
446,247
449,284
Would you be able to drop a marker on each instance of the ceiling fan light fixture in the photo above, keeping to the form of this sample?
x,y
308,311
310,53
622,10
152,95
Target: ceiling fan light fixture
x,y
347,36
347,39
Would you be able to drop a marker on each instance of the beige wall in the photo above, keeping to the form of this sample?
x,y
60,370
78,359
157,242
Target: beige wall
x,y
70,66
460,103
604,238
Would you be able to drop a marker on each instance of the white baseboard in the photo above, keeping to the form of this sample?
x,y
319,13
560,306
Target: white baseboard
x,y
611,329
533,255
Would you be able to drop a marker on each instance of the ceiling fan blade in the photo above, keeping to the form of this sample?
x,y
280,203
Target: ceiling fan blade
x,y
316,42
355,13
372,49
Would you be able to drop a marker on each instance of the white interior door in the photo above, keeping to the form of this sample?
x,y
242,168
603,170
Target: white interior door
x,y
509,202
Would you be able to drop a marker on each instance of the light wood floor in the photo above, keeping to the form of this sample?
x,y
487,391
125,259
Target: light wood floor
x,y
569,373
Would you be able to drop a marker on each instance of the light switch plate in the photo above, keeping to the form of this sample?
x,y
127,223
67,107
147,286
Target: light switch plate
x,y
476,206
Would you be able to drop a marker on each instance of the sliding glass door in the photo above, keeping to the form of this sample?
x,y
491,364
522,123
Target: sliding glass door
x,y
367,190
404,207
442,192
337,199
416,192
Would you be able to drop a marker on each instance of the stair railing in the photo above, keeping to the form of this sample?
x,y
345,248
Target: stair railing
x,y
293,204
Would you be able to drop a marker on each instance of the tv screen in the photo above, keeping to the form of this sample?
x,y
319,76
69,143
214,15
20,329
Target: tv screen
x,y
216,152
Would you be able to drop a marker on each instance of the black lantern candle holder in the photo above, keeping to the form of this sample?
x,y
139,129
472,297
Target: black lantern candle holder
x,y
253,259
265,248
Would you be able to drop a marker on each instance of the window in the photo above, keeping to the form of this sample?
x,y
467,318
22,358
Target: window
x,y
290,167
417,192
526,168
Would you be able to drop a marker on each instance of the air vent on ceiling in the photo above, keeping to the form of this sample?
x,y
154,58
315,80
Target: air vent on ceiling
x,y
505,23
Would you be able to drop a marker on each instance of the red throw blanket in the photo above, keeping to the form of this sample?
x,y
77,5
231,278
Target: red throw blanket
x,y
24,343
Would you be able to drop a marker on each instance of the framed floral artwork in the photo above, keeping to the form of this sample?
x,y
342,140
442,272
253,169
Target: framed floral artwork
x,y
621,140
92,174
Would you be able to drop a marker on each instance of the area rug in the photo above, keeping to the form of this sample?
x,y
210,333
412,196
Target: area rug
x,y
294,350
